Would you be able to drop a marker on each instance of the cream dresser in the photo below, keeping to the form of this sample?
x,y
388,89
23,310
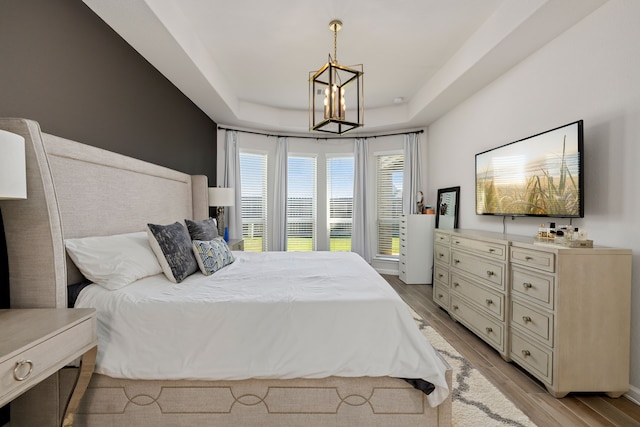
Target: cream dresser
x,y
471,282
416,249
566,311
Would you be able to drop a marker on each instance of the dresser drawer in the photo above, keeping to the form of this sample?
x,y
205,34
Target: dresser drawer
x,y
492,273
444,238
441,253
441,274
532,258
45,357
538,324
402,269
537,288
490,301
488,329
492,250
535,359
441,295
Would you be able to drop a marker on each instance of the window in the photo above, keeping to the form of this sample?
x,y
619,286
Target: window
x,y
301,203
340,199
389,202
253,175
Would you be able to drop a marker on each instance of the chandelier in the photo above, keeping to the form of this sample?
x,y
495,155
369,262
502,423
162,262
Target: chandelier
x,y
336,97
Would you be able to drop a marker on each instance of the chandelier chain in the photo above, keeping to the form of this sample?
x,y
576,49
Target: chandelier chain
x,y
335,43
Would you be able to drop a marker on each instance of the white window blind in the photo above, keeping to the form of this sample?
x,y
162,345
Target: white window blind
x,y
340,199
301,203
253,175
389,175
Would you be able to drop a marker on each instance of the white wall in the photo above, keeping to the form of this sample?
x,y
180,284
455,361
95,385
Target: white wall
x,y
591,72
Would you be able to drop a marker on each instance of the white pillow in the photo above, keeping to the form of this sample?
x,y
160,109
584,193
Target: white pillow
x,y
114,261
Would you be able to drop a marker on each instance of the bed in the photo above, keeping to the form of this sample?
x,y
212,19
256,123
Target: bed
x,y
76,191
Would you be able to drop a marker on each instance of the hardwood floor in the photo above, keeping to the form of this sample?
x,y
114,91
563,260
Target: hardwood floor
x,y
527,393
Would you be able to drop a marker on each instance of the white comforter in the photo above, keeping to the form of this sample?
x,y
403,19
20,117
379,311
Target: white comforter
x,y
267,315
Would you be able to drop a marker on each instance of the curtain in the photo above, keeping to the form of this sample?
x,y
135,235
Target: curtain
x,y
360,236
233,218
280,196
411,183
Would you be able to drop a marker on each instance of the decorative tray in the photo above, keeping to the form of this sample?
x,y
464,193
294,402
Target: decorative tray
x,y
564,243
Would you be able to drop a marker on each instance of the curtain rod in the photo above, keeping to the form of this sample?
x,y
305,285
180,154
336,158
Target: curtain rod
x,y
318,137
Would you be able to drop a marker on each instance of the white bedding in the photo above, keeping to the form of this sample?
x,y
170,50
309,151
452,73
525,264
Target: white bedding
x,y
267,315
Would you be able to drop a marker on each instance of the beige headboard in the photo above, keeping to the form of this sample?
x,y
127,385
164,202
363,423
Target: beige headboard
x,y
76,190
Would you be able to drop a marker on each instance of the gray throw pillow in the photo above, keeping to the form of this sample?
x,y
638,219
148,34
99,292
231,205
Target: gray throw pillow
x,y
172,246
206,229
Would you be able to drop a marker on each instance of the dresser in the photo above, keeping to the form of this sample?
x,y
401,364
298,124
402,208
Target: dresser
x,y
562,314
471,283
35,344
416,249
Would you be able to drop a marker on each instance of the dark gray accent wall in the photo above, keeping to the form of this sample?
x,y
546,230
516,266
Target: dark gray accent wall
x,y
61,65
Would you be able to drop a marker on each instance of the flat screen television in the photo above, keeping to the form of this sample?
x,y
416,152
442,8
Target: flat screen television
x,y
542,175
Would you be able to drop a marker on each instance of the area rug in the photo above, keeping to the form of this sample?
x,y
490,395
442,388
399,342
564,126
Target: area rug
x,y
475,401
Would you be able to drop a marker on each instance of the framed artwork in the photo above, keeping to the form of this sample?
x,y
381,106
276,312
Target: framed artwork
x,y
447,208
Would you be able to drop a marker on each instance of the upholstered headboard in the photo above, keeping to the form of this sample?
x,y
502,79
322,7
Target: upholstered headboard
x,y
76,190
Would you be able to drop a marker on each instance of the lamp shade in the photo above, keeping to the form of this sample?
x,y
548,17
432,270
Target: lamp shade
x,y
221,196
13,170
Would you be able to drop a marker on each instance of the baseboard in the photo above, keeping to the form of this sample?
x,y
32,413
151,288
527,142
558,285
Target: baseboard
x,y
633,394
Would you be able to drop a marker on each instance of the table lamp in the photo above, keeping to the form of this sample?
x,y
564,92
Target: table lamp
x,y
13,170
221,197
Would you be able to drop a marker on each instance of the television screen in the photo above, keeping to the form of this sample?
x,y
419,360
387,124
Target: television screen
x,y
541,175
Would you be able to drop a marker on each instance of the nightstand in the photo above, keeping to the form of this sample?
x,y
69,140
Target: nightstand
x,y
236,244
38,342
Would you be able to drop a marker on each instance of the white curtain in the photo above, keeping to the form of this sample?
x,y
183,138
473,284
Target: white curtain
x,y
360,236
279,241
233,218
411,183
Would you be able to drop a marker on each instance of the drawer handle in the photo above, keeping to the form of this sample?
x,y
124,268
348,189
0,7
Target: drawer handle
x,y
441,238
491,250
456,284
528,258
526,353
18,368
526,319
457,242
440,275
490,273
440,296
489,301
489,330
440,254
527,285
456,261
455,307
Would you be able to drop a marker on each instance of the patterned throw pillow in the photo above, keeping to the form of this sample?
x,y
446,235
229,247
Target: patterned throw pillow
x,y
172,246
207,229
212,255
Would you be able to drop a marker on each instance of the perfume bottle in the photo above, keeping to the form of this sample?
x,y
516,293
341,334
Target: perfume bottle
x,y
542,232
551,232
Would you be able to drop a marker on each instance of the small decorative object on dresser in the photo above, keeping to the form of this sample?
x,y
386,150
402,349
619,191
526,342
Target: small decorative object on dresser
x,y
36,344
563,314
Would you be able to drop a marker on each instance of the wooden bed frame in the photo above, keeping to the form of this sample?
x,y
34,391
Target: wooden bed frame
x,y
75,190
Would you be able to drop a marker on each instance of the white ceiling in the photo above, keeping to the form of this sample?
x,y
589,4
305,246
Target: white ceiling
x,y
246,63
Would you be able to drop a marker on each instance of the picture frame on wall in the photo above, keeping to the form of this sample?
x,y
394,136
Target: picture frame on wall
x,y
448,208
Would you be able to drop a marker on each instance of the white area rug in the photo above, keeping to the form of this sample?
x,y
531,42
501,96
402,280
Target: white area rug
x,y
476,402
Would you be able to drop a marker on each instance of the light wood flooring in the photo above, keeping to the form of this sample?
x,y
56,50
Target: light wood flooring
x,y
577,409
